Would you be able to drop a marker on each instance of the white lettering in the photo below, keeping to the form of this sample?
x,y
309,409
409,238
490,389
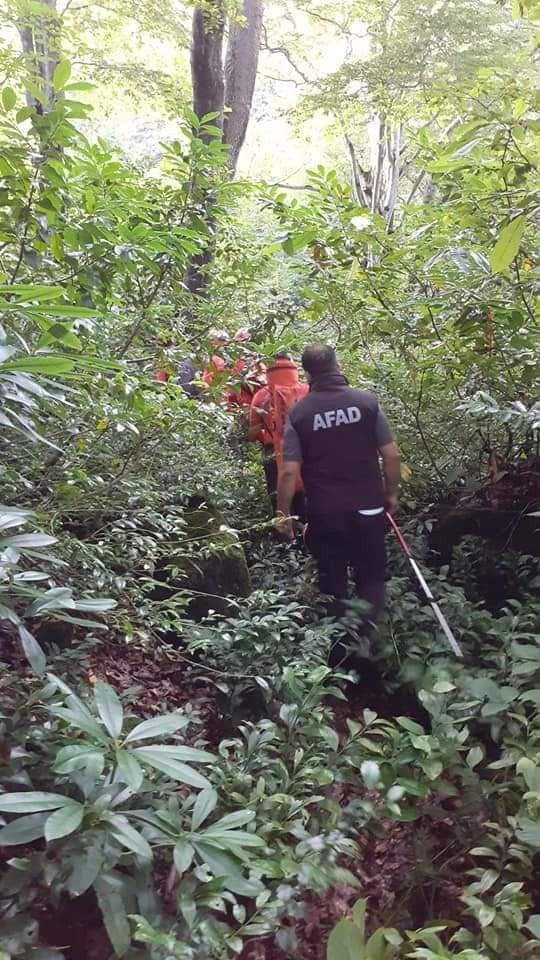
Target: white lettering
x,y
330,416
323,421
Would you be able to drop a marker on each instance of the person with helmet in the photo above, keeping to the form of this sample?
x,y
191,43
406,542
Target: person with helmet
x,y
217,362
267,417
333,438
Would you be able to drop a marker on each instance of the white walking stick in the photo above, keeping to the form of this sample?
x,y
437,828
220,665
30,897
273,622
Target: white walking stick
x,y
454,645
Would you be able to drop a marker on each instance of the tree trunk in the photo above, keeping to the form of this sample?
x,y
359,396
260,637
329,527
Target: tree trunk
x,y
394,174
357,176
209,77
207,61
208,96
40,40
378,166
240,76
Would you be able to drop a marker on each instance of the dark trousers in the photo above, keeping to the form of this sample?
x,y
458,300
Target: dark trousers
x,y
270,474
343,542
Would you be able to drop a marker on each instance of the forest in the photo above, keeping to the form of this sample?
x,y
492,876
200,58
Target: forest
x,y
183,773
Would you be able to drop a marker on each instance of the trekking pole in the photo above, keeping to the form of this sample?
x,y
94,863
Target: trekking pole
x,y
429,596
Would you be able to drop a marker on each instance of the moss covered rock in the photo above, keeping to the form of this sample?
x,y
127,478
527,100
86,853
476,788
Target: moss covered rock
x,y
208,561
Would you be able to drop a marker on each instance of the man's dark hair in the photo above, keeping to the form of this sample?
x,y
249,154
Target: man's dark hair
x,y
319,359
283,355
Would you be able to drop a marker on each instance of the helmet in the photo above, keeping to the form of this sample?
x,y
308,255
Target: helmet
x,y
242,335
218,336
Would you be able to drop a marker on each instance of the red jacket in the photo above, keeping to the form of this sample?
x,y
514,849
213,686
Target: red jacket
x,y
260,415
283,373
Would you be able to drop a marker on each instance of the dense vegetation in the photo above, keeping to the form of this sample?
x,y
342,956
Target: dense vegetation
x,y
181,774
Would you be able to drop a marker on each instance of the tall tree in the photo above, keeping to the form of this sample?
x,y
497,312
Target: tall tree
x,y
397,68
225,89
207,60
240,75
40,39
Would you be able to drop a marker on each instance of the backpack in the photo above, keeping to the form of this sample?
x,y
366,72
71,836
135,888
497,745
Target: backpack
x,y
285,390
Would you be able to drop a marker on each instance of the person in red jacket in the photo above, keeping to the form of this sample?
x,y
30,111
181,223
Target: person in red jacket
x,y
164,361
268,413
217,362
243,375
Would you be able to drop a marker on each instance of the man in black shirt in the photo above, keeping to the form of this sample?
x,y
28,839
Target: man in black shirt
x,y
335,436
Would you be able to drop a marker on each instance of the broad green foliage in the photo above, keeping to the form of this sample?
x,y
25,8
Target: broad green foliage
x,y
347,940
112,808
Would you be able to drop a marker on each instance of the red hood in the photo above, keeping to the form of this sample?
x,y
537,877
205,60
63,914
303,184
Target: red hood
x,y
284,373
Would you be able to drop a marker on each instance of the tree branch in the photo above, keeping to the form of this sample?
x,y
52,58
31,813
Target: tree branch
x,y
284,53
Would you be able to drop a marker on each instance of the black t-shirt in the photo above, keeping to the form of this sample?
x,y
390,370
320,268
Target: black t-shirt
x,y
336,432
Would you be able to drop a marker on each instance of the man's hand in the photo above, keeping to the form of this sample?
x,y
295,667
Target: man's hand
x,y
285,527
288,477
391,470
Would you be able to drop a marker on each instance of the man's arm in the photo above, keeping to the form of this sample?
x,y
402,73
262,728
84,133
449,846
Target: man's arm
x,y
288,479
289,475
392,474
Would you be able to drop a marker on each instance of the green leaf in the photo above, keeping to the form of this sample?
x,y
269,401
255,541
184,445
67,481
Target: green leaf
x,y
22,540
432,768
231,821
443,686
508,244
130,769
109,708
359,915
345,942
204,805
474,756
410,725
174,752
64,821
183,854
172,768
79,757
80,85
371,773
99,605
157,727
530,773
231,839
23,830
85,870
227,868
58,598
9,99
81,722
50,365
24,113
61,75
533,924
486,915
127,836
114,914
32,651
32,801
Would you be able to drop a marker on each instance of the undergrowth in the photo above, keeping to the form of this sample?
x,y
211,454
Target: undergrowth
x,y
182,842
